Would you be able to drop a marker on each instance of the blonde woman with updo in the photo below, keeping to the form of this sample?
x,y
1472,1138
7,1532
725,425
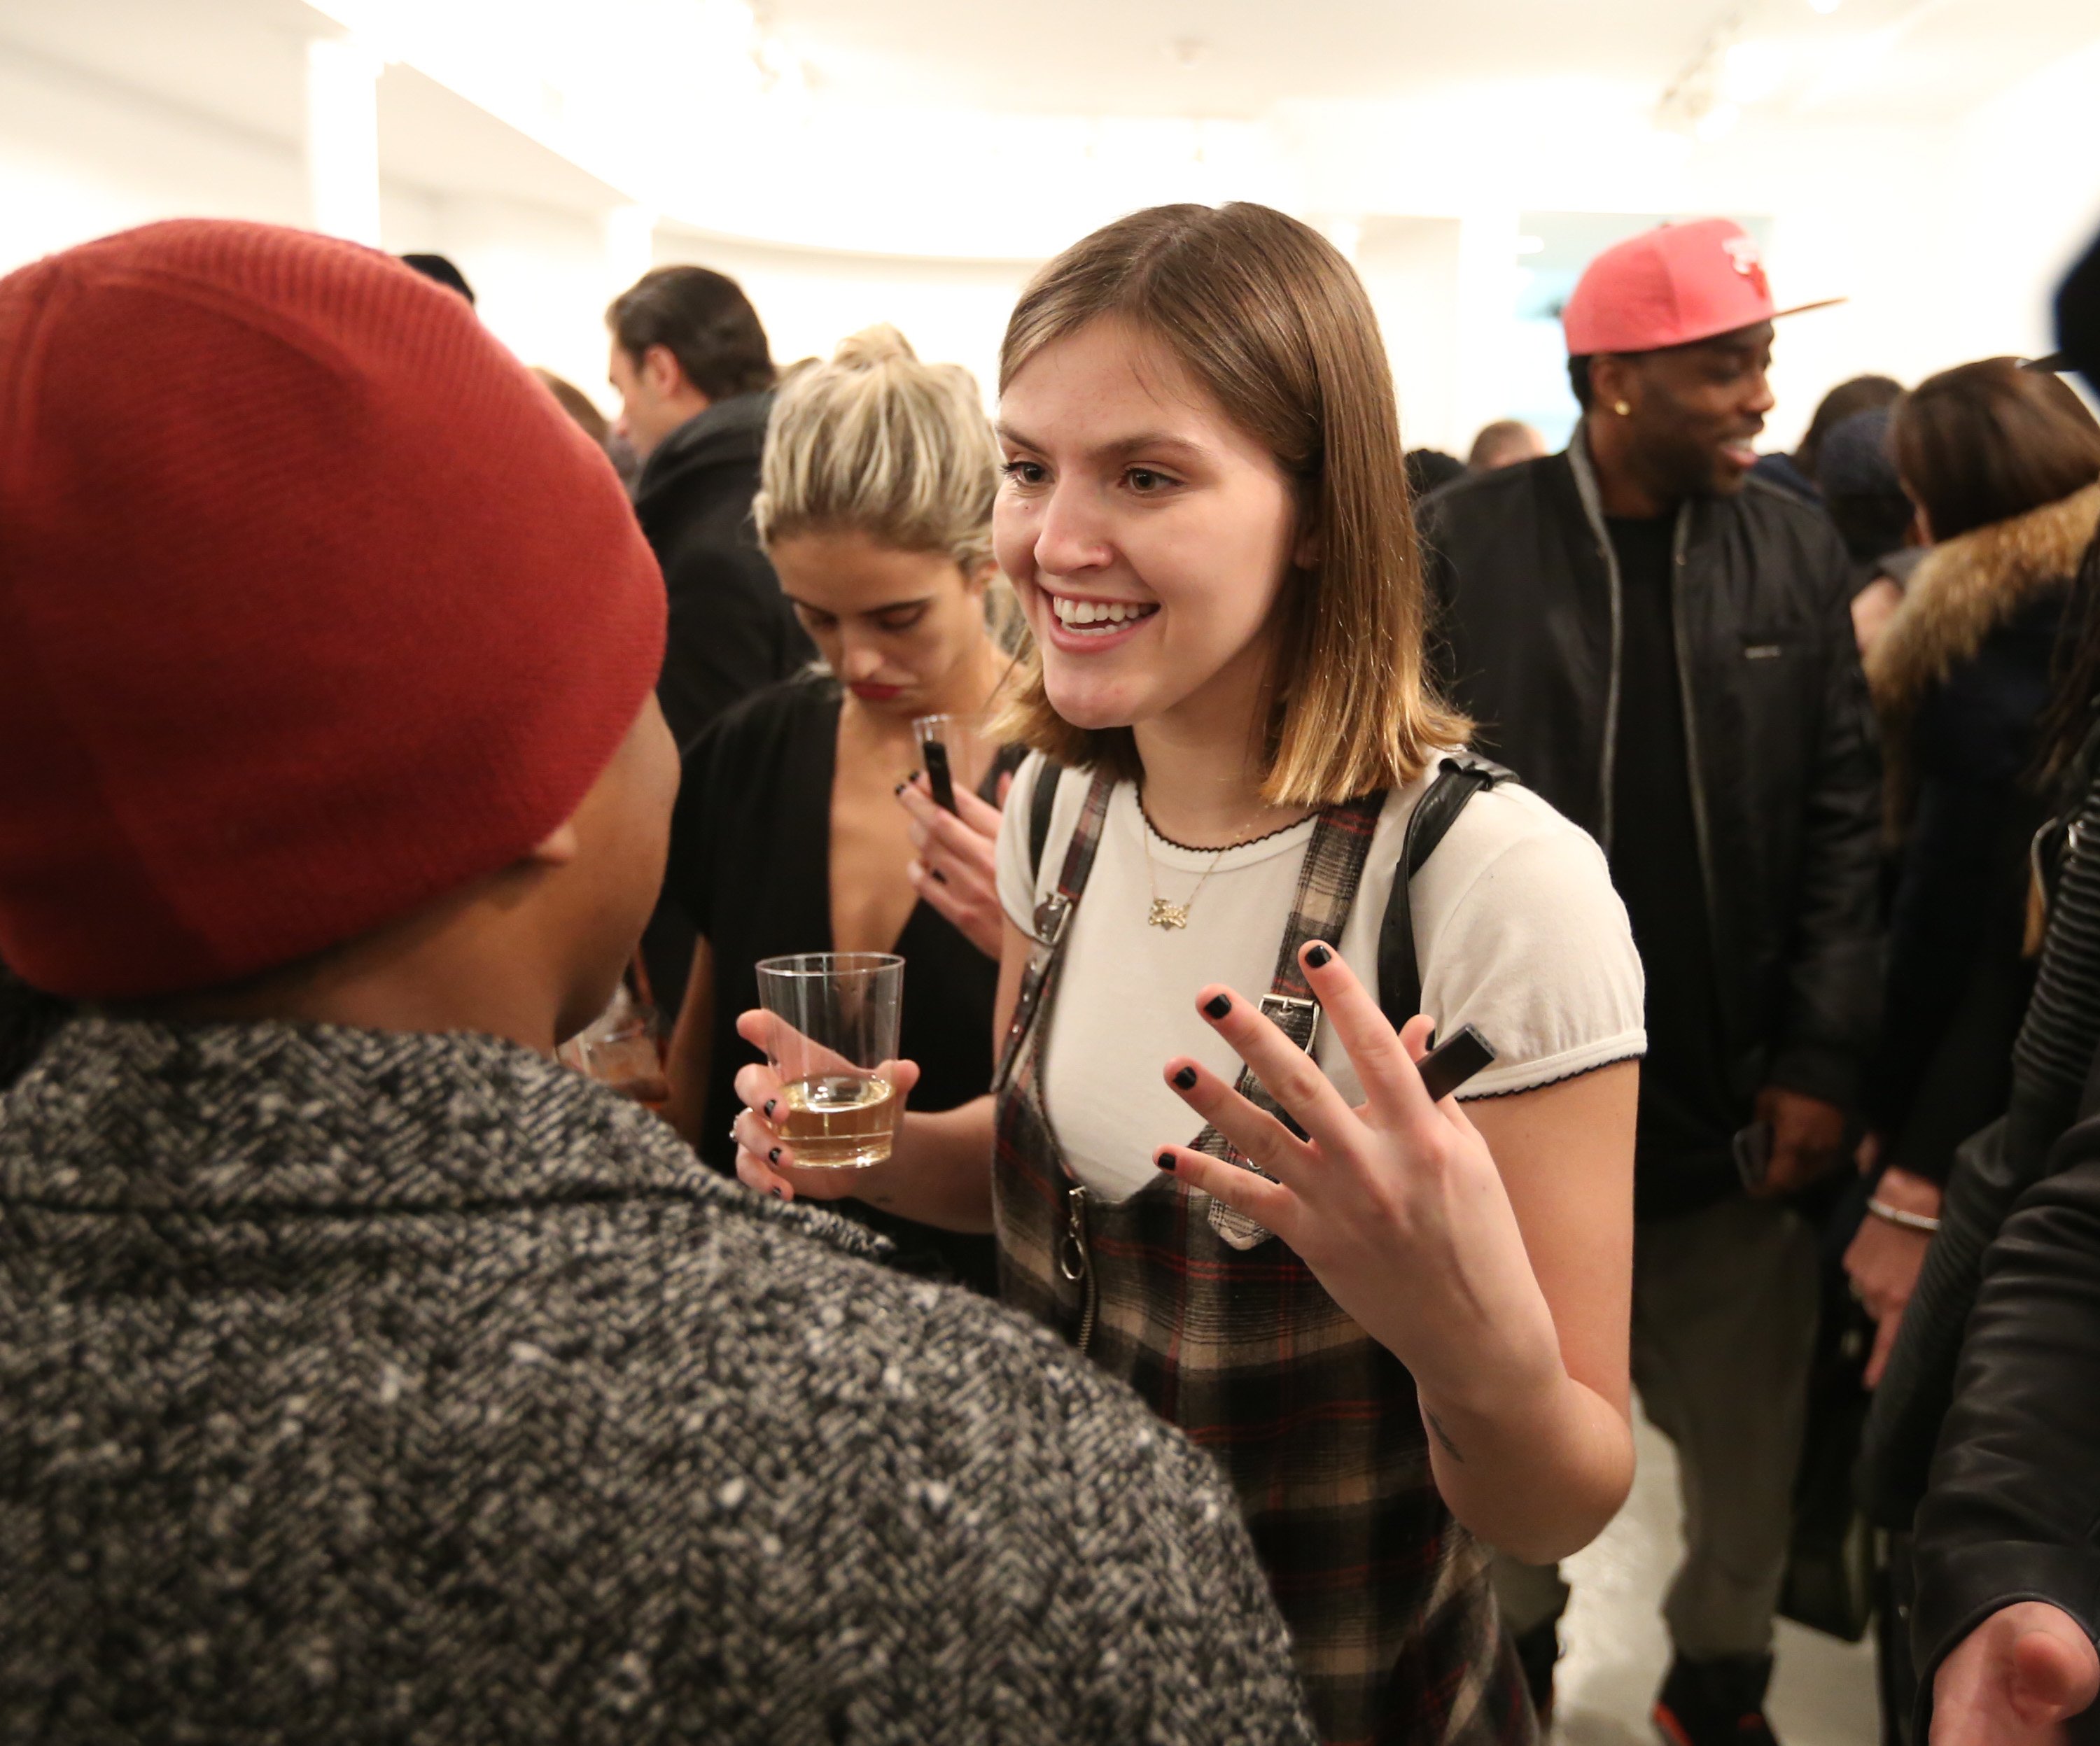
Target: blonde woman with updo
x,y
803,815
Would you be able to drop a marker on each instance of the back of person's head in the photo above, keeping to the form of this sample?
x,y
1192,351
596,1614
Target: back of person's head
x,y
876,443
1988,440
1860,486
704,321
441,270
1428,469
319,612
1504,443
1861,394
577,403
1272,323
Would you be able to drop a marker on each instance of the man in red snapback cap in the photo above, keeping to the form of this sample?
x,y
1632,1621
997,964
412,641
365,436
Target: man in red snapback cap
x,y
368,1376
1662,646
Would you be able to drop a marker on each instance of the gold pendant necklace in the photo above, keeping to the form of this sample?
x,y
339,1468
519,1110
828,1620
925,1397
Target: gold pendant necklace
x,y
1163,915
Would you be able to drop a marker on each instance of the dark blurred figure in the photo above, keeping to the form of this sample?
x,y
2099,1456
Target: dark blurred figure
x,y
1503,444
2001,462
440,269
1875,518
1658,643
2006,1599
1797,472
1429,468
694,376
28,1019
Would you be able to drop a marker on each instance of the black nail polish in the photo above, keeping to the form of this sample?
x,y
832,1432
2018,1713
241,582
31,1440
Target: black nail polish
x,y
1319,957
902,786
769,1102
1165,1161
780,1194
1186,1079
774,1156
1218,1006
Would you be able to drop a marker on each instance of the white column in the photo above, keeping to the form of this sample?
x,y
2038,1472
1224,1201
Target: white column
x,y
343,139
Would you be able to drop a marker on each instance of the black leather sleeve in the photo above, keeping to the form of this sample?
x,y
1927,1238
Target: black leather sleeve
x,y
2012,1510
1834,972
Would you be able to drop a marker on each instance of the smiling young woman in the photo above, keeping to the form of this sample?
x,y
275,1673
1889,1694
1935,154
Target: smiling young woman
x,y
1204,519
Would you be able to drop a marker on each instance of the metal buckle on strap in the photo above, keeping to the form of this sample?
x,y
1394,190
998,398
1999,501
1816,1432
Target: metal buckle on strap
x,y
1051,915
1288,1011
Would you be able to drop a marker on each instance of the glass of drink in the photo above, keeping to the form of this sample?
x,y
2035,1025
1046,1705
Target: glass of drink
x,y
832,1040
955,753
622,1049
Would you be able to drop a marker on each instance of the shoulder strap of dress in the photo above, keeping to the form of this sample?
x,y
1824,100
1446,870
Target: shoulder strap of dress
x,y
1042,803
1459,778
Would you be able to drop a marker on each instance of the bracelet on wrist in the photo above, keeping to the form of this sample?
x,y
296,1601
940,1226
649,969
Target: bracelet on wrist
x,y
1895,1216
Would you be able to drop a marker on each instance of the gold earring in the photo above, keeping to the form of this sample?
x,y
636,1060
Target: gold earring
x,y
1621,408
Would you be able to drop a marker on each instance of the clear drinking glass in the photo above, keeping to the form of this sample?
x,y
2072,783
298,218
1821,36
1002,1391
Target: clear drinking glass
x,y
955,750
622,1048
833,1040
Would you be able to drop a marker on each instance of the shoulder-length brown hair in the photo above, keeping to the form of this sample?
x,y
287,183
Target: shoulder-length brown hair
x,y
1983,441
1265,313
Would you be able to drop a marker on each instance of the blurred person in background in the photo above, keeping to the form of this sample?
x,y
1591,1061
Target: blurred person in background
x,y
1660,645
440,269
1412,1331
1429,468
694,376
369,1376
1875,517
2005,1628
694,372
1797,472
1503,444
593,424
794,829
2001,462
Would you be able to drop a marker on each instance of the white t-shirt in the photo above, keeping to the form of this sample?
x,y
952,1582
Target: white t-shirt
x,y
1517,930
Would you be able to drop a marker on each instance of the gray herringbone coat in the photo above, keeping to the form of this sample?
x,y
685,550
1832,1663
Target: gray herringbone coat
x,y
367,1387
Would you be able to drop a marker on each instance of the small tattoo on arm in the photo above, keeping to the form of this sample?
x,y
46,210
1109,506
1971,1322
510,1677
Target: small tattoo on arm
x,y
1443,1437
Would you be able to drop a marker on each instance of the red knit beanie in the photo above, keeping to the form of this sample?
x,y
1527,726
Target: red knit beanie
x,y
314,604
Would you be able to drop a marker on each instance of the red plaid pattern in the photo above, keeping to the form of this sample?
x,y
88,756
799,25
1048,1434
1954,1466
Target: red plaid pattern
x,y
1314,1422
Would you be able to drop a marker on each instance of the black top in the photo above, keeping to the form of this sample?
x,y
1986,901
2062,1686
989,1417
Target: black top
x,y
750,867
1687,1115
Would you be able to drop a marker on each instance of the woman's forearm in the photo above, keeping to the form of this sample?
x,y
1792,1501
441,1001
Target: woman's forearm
x,y
1537,1478
940,1171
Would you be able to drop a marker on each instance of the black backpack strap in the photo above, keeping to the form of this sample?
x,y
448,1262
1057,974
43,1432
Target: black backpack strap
x,y
1041,802
1459,779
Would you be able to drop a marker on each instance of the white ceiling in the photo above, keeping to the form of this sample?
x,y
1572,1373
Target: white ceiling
x,y
1239,58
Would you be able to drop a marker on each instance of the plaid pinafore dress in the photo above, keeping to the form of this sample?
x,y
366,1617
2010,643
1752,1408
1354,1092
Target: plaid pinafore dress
x,y
1315,1424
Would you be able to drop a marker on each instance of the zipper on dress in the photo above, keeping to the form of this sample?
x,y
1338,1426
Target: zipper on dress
x,y
1075,1260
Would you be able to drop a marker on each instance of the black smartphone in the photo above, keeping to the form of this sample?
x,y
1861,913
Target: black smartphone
x,y
939,776
1453,1061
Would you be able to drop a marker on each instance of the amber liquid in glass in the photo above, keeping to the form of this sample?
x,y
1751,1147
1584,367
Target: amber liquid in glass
x,y
839,1121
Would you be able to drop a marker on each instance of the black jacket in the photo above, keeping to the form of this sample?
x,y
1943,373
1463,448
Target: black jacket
x,y
2014,1510
1786,777
730,633
1960,676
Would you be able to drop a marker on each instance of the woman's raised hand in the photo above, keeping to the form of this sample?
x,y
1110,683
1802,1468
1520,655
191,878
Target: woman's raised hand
x,y
763,1160
1396,1205
957,868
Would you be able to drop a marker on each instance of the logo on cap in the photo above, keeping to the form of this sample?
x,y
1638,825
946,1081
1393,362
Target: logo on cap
x,y
1743,256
